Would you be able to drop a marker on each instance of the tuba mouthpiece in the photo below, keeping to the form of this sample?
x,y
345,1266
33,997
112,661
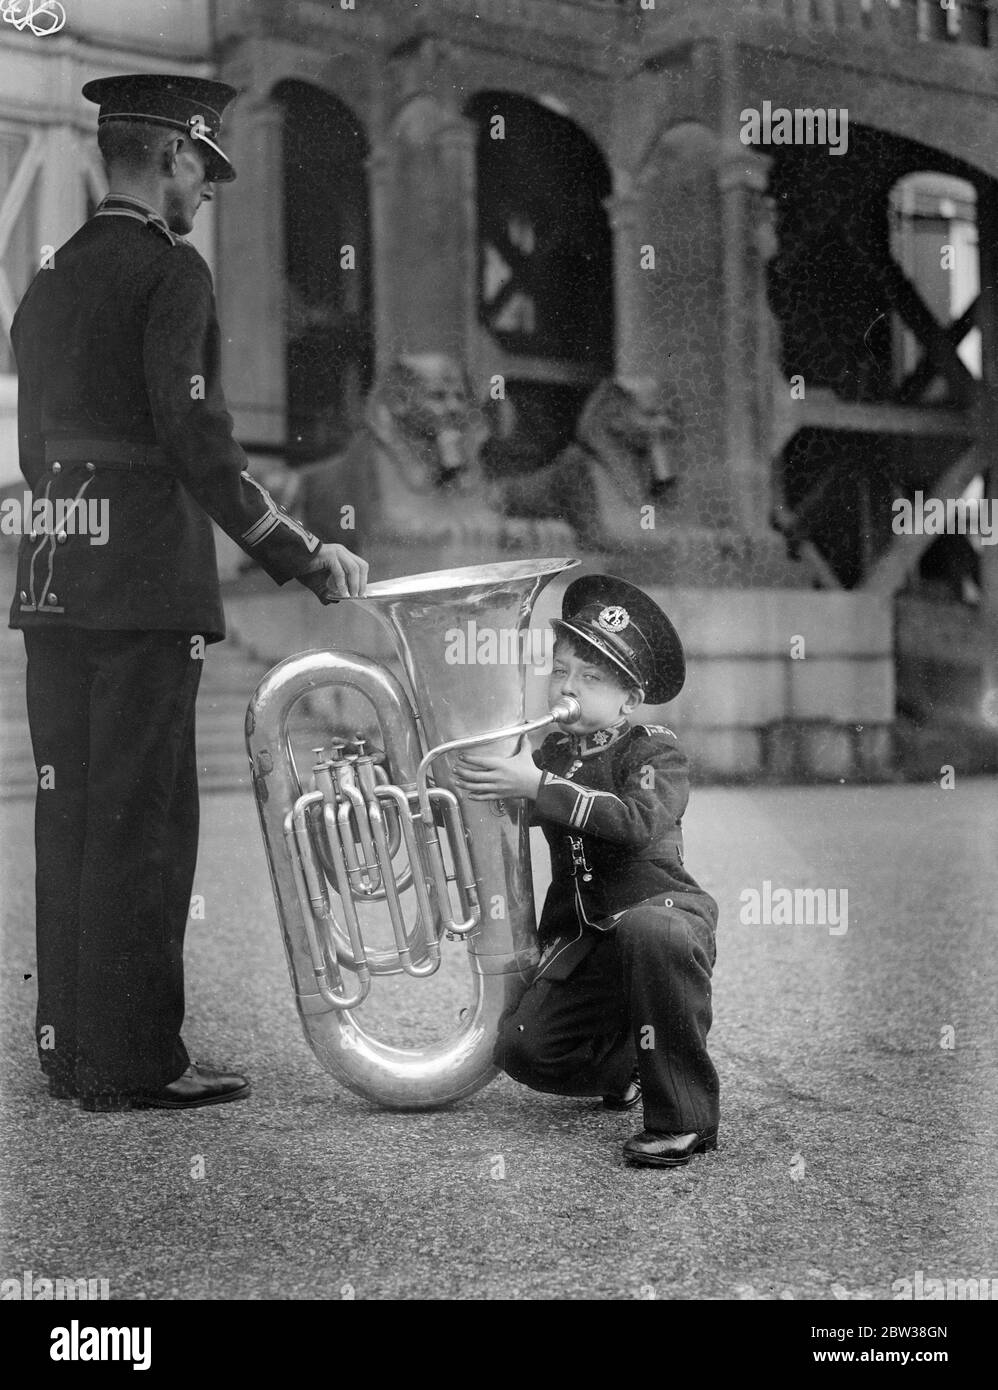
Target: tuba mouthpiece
x,y
566,711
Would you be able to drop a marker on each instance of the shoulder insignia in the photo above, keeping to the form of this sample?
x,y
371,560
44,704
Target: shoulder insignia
x,y
158,224
654,729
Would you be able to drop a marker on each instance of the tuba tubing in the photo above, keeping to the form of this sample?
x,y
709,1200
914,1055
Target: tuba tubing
x,y
493,922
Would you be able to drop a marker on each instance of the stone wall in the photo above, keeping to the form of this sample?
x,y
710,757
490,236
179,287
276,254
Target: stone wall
x,y
749,708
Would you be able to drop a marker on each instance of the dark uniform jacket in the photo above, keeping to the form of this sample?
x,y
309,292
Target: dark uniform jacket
x,y
611,805
119,400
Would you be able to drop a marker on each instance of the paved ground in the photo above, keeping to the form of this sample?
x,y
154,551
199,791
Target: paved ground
x,y
856,1150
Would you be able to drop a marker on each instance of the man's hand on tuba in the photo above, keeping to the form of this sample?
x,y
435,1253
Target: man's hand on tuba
x,y
335,573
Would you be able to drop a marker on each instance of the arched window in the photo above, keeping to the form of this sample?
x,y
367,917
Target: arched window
x,y
546,277
545,268
933,220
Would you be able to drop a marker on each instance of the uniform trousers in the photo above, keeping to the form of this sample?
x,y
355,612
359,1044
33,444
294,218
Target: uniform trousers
x,y
641,994
116,833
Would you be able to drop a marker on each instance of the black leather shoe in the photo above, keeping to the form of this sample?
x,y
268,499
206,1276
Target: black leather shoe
x,y
657,1150
626,1099
197,1086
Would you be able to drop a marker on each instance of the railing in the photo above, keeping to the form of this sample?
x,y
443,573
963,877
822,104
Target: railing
x,y
582,17
958,21
970,22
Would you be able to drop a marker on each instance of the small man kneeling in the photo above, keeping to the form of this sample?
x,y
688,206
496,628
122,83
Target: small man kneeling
x,y
621,1002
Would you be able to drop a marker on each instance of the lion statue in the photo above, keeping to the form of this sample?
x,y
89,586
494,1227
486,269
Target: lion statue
x,y
428,461
414,468
623,457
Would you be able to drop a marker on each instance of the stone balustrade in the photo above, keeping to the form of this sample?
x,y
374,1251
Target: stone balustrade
x,y
960,21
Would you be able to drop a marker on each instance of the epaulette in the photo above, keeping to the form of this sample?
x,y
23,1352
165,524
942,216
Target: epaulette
x,y
652,729
164,231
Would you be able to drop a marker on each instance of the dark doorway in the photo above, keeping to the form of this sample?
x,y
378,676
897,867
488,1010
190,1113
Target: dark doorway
x,y
545,261
329,349
876,289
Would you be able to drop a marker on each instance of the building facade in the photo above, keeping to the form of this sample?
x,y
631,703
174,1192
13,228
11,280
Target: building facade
x,y
698,288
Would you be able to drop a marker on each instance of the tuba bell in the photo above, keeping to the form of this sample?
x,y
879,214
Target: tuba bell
x,y
383,832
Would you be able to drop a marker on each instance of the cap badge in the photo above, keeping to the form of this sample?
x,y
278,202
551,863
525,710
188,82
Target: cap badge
x,y
197,127
614,618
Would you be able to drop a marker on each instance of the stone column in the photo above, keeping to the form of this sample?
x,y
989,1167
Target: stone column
x,y
380,172
458,144
250,275
747,344
623,211
669,279
424,230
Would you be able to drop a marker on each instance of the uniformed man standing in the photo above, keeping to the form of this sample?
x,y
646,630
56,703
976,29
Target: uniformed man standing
x,y
120,404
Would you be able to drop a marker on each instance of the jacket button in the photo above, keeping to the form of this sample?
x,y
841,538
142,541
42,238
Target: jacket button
x,y
91,468
61,537
57,468
587,878
53,598
668,902
24,596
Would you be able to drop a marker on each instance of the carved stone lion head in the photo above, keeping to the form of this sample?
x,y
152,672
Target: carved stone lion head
x,y
423,413
632,425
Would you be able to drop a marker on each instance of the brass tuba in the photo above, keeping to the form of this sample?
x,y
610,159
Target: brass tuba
x,y
373,828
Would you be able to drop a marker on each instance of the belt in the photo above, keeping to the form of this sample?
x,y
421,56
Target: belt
x,y
109,453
